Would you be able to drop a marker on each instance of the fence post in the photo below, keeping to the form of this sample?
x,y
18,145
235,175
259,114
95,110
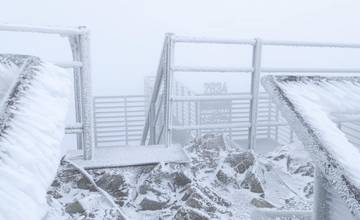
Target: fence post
x,y
168,88
152,123
126,121
75,49
255,82
86,96
320,207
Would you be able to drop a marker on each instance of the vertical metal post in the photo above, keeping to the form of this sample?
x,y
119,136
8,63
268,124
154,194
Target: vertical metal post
x,y
320,207
255,83
269,118
168,88
95,126
126,121
277,126
152,124
75,49
86,96
230,119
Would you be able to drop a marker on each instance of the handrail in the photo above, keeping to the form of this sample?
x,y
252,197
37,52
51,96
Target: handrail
x,y
156,89
43,29
167,68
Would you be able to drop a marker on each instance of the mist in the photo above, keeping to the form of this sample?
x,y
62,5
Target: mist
x,y
127,36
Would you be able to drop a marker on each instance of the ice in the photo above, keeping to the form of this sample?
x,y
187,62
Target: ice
x,y
314,106
35,100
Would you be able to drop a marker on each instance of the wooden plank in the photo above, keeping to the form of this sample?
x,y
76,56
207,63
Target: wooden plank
x,y
122,156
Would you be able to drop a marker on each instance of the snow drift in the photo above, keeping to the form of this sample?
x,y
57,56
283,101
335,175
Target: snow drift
x,y
34,97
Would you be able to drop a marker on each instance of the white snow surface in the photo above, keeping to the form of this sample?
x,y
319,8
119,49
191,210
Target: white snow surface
x,y
323,103
30,146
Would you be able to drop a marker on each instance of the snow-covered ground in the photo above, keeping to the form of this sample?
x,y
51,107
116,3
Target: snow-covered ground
x,y
223,181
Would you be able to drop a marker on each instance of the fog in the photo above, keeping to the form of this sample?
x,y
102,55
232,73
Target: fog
x,y
127,35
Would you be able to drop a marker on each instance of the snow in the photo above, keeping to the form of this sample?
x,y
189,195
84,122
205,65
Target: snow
x,y
319,102
31,128
148,192
314,106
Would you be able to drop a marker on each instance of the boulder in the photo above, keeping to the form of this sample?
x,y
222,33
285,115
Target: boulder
x,y
115,185
74,208
252,183
261,203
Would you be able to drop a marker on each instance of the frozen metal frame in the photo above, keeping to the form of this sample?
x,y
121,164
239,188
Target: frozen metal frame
x,y
329,175
79,39
167,68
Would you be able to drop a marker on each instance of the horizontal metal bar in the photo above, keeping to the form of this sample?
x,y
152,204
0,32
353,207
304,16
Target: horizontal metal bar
x,y
74,129
209,98
310,44
185,39
119,96
210,69
309,70
205,126
43,29
226,125
70,64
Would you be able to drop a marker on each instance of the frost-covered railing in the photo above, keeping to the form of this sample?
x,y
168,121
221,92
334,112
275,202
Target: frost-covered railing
x,y
80,63
118,120
317,107
163,92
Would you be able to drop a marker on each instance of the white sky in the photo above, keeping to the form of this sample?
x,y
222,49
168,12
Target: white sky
x,y
127,35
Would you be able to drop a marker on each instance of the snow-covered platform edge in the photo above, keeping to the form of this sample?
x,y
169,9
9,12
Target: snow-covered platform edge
x,y
327,163
122,156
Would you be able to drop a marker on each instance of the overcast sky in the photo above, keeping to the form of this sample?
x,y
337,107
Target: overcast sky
x,y
127,35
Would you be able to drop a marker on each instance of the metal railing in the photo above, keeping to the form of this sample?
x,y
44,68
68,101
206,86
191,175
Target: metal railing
x,y
118,120
164,87
79,39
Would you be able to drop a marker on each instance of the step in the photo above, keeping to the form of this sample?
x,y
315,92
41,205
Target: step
x,y
124,156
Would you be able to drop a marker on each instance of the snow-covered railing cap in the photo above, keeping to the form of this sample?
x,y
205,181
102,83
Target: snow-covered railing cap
x,y
32,121
313,107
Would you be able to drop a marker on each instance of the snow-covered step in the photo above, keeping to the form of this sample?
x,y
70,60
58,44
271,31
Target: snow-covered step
x,y
130,156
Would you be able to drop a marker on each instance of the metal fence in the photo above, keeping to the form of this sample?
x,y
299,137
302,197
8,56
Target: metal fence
x,y
118,120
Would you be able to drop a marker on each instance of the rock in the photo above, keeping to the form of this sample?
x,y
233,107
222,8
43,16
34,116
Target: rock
x,y
213,196
180,179
309,189
116,186
252,183
305,170
261,203
244,161
152,204
55,194
84,183
186,213
74,208
197,201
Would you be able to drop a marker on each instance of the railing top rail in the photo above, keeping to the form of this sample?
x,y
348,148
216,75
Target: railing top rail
x,y
44,29
310,44
185,39
211,69
204,40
